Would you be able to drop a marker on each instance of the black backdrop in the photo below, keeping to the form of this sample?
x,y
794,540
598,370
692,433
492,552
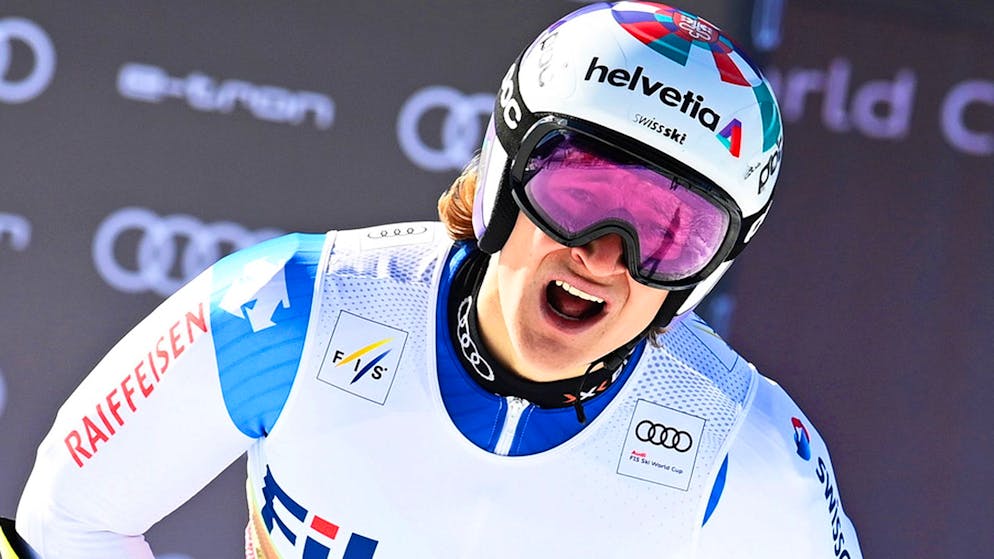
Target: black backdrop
x,y
141,140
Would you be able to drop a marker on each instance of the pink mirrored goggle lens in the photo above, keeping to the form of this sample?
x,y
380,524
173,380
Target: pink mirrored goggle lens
x,y
577,191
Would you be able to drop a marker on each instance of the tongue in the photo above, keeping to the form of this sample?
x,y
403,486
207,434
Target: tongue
x,y
569,305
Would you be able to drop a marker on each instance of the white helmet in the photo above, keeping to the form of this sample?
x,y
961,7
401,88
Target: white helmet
x,y
664,86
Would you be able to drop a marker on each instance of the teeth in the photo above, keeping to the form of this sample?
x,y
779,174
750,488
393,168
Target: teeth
x,y
577,293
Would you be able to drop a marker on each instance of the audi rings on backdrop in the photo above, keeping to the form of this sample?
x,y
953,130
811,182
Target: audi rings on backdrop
x,y
21,90
15,231
171,250
463,123
661,435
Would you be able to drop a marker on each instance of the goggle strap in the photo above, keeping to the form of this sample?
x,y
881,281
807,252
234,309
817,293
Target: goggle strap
x,y
514,112
748,223
502,219
671,304
505,211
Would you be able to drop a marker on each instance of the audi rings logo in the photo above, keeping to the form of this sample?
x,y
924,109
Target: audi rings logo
x,y
661,435
15,87
15,230
462,125
168,252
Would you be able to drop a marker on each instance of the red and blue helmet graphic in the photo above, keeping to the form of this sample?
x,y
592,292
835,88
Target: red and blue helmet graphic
x,y
675,33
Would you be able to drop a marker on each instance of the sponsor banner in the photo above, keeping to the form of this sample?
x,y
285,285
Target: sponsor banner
x,y
900,89
152,84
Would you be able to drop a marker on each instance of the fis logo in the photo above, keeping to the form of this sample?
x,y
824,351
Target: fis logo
x,y
317,535
357,356
731,137
363,357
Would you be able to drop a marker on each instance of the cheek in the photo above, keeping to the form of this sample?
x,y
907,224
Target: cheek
x,y
513,274
644,302
525,252
522,245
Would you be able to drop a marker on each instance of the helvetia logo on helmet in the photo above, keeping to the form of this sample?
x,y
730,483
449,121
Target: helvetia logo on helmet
x,y
731,137
687,102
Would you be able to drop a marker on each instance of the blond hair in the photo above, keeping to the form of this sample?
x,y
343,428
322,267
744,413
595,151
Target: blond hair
x,y
455,205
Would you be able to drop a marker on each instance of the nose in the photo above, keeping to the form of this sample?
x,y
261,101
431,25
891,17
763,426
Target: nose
x,y
603,256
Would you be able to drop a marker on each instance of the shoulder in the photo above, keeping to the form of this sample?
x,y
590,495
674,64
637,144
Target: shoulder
x,y
409,234
296,251
261,304
780,492
406,252
693,347
252,288
296,260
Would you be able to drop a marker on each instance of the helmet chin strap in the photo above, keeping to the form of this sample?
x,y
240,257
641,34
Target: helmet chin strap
x,y
671,304
612,361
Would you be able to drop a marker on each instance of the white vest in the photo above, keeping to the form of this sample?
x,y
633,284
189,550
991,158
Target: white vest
x,y
364,460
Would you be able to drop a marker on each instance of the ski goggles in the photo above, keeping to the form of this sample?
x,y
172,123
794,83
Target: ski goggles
x,y
578,182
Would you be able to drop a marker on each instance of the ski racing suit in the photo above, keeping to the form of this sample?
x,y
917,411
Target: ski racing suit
x,y
328,359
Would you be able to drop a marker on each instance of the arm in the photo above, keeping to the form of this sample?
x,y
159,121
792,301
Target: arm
x,y
184,394
779,496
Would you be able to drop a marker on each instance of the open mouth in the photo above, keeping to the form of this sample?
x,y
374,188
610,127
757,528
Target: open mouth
x,y
571,303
